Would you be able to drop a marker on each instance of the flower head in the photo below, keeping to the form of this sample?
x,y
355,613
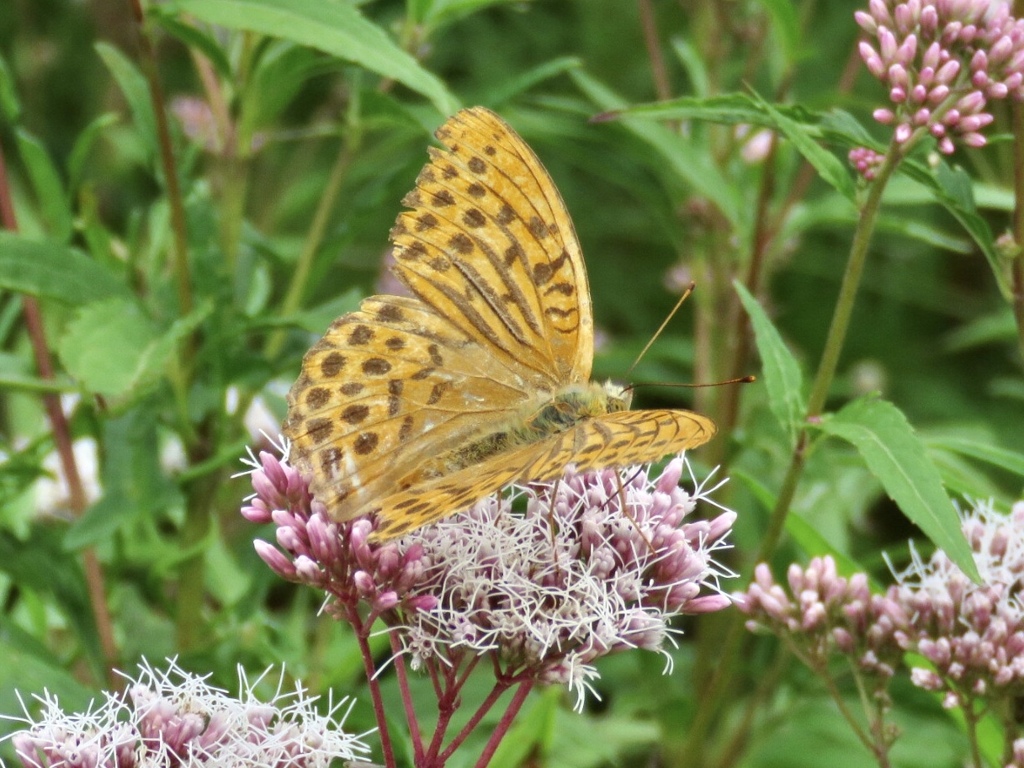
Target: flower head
x,y
943,60
574,576
824,613
172,718
973,634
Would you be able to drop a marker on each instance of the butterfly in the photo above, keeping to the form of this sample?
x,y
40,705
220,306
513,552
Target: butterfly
x,y
414,408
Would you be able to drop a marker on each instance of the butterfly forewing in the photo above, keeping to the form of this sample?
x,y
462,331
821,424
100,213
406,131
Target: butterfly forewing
x,y
489,244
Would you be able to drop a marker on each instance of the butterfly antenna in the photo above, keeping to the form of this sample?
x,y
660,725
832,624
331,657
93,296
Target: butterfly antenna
x,y
739,380
667,320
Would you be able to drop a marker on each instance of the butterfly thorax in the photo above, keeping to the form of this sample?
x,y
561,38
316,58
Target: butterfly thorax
x,y
535,421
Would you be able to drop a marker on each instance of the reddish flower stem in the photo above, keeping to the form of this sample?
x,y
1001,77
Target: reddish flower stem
x,y
507,718
410,711
361,630
62,441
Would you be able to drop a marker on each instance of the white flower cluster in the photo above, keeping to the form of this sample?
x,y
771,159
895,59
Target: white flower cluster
x,y
174,718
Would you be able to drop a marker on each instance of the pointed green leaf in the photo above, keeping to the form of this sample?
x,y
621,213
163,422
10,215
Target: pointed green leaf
x,y
49,270
47,186
335,28
825,163
135,91
781,372
896,456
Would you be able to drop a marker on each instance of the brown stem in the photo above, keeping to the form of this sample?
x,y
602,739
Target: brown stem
x,y
63,443
659,72
147,61
1017,265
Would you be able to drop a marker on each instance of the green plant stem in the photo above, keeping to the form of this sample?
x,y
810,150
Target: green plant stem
x,y
304,265
61,431
1017,266
719,685
181,371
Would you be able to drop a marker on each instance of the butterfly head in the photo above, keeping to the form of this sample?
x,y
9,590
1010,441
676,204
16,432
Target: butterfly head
x,y
618,397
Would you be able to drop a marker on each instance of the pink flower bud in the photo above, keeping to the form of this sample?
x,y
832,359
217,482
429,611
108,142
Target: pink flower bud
x,y
979,61
971,103
938,94
872,60
903,132
929,20
1001,50
272,556
907,51
897,95
918,94
922,116
708,604
975,122
880,11
975,140
947,72
887,45
898,77
307,569
884,116
866,22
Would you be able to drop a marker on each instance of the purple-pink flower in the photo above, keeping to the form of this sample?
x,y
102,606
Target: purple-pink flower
x,y
545,579
943,61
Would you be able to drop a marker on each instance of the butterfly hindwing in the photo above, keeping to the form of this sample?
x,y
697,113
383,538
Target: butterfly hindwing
x,y
612,440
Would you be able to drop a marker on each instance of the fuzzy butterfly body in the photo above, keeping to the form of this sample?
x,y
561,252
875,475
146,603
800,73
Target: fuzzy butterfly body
x,y
415,408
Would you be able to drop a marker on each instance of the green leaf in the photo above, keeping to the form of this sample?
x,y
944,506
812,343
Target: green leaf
x,y
135,89
47,186
1012,461
693,63
114,349
896,456
10,108
825,163
953,190
781,371
53,271
103,344
83,147
334,28
683,157
193,38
